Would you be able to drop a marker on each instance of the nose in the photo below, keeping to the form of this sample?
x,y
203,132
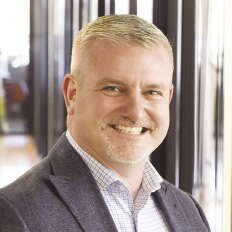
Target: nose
x,y
133,108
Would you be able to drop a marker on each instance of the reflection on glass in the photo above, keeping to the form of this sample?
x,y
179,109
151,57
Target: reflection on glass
x,y
227,159
121,6
93,9
107,7
208,167
85,12
17,150
14,61
145,10
56,69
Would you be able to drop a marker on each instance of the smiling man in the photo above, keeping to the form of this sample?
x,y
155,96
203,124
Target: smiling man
x,y
98,176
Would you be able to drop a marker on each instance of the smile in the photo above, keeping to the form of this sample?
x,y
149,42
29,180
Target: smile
x,y
129,130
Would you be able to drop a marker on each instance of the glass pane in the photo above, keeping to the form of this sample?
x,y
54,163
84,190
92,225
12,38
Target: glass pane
x,y
93,9
121,6
14,61
145,10
209,162
227,165
18,152
56,69
107,7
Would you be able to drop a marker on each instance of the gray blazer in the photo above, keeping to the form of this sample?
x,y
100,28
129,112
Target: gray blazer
x,y
60,195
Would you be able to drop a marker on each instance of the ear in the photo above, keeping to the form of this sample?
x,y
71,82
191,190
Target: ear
x,y
171,93
69,92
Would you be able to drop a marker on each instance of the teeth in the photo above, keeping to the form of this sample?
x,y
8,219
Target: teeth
x,y
129,130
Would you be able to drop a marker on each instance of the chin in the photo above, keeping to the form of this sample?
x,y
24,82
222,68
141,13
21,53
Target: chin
x,y
127,153
130,157
127,161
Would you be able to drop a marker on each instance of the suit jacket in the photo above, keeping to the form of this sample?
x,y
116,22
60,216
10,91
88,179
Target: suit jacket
x,y
60,195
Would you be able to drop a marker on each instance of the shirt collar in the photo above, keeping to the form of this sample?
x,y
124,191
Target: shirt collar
x,y
105,177
151,178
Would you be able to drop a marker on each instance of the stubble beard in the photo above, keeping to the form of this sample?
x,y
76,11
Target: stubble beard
x,y
128,154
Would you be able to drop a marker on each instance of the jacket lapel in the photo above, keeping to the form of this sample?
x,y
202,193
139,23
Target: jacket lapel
x,y
78,189
171,208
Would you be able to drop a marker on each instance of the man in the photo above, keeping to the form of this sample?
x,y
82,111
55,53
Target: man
x,y
98,176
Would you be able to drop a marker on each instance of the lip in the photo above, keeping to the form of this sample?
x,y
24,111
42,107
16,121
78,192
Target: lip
x,y
144,129
125,135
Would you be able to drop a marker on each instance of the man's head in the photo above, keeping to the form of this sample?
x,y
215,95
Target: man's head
x,y
118,93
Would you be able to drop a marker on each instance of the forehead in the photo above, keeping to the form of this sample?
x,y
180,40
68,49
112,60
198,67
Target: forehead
x,y
126,60
96,46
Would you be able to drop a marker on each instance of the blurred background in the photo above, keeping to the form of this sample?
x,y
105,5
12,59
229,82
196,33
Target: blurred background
x,y
35,48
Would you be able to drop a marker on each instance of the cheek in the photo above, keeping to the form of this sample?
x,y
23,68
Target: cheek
x,y
92,109
160,114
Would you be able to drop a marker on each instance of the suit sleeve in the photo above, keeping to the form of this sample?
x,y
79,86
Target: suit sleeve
x,y
201,213
10,219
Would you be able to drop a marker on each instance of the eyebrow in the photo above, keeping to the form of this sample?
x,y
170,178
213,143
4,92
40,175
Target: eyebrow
x,y
110,80
118,82
156,86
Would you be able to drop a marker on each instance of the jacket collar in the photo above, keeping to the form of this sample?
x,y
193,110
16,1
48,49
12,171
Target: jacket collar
x,y
166,200
78,189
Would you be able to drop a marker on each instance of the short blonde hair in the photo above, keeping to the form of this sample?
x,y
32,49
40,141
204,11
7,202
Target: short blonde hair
x,y
128,28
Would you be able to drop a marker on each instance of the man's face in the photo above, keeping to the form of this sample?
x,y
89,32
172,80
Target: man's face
x,y
121,104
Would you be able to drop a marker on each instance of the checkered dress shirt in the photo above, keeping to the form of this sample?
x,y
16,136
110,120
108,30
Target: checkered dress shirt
x,y
140,215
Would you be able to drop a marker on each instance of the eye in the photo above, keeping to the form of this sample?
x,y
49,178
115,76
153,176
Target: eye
x,y
112,91
153,92
112,88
